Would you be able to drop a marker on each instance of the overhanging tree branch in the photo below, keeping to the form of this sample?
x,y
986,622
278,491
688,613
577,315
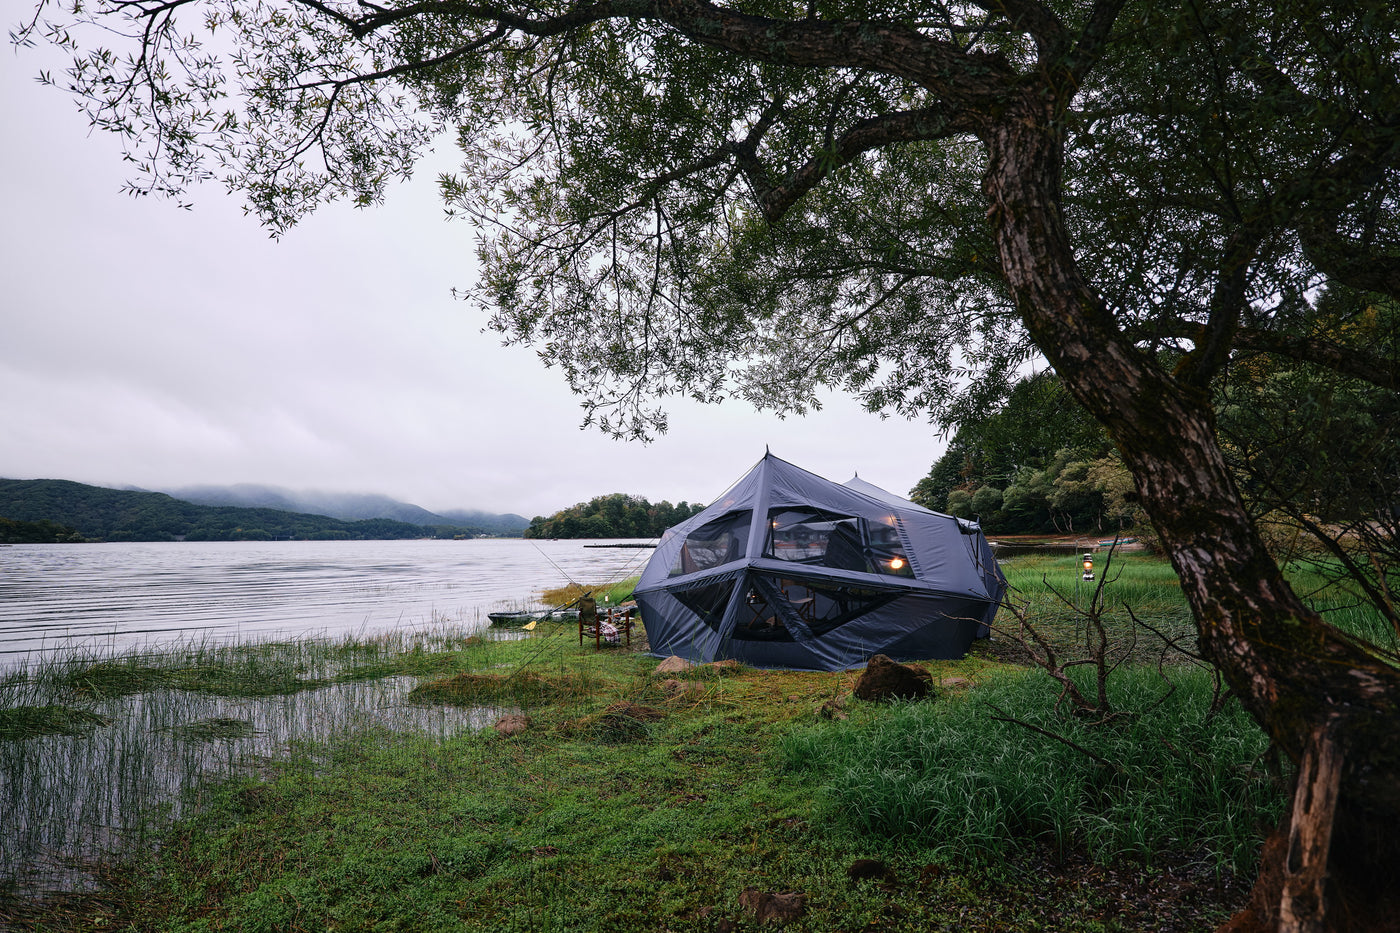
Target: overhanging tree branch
x,y
873,133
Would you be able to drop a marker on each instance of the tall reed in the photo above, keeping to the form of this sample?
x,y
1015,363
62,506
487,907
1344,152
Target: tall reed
x,y
97,751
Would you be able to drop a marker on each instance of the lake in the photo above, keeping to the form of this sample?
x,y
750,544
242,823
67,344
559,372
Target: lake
x,y
55,597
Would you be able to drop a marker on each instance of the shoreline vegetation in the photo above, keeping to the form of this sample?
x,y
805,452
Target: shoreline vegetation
x,y
359,784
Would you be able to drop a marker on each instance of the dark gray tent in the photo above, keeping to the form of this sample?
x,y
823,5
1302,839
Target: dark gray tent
x,y
791,570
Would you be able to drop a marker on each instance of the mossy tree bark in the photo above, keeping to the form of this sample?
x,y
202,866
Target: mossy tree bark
x,y
1328,702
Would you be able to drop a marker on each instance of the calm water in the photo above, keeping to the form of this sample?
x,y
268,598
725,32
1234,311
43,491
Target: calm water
x,y
54,597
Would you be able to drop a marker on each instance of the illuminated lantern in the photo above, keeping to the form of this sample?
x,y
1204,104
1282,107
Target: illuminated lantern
x,y
896,563
1088,566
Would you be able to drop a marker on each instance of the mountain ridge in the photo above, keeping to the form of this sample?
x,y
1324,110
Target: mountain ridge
x,y
110,514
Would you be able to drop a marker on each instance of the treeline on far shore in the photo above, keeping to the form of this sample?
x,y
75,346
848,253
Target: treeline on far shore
x,y
614,516
42,532
58,511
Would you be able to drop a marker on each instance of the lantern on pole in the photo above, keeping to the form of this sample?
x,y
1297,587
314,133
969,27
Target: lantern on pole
x,y
1088,566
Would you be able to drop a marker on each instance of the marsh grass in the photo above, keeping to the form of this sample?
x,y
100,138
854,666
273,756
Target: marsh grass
x,y
215,729
98,752
27,722
623,807
608,594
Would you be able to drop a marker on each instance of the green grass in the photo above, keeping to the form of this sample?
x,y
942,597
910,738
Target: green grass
x,y
357,785
1052,592
1157,777
1341,603
621,809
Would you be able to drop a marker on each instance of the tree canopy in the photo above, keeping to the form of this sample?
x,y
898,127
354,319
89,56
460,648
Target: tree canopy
x,y
615,516
1036,463
754,198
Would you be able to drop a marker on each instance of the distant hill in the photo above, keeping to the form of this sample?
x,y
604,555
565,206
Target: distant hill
x,y
346,506
508,523
127,515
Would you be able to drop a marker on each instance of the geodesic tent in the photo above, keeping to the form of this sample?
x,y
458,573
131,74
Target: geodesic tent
x,y
791,570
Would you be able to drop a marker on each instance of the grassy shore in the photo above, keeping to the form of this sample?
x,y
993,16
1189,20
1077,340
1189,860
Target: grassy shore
x,y
358,785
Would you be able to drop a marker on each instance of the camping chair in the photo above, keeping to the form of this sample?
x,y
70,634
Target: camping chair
x,y
614,623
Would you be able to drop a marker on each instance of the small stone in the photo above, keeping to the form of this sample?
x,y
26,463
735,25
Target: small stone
x,y
869,869
512,724
767,907
673,665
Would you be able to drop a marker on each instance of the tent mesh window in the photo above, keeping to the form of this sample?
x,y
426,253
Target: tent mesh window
x,y
714,543
707,601
819,606
886,548
813,536
829,539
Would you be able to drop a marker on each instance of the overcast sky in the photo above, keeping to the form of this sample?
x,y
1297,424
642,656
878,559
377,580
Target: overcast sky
x,y
145,345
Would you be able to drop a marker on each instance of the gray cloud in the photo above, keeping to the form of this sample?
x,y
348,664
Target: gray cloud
x,y
146,345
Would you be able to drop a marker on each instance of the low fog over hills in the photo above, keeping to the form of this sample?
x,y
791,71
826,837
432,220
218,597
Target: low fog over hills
x,y
344,506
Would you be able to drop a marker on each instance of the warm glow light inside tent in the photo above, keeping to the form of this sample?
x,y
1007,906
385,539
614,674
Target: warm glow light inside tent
x,y
896,563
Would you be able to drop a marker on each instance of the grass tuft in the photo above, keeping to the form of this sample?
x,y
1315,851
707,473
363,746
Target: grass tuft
x,y
215,729
521,687
606,594
27,722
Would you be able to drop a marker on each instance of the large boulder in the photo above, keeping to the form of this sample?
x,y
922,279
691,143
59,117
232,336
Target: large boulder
x,y
885,679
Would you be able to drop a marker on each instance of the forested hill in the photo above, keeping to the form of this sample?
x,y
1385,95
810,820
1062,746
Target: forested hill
x,y
99,513
614,516
348,507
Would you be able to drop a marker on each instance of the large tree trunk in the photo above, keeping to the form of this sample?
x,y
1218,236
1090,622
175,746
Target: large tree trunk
x,y
1331,705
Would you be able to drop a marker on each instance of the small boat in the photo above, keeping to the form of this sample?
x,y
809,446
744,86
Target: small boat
x,y
517,619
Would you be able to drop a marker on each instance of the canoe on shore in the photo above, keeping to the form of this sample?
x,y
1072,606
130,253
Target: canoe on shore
x,y
507,619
